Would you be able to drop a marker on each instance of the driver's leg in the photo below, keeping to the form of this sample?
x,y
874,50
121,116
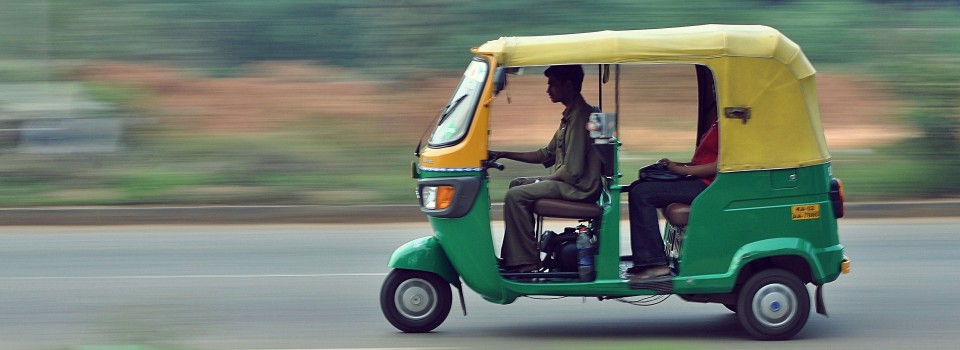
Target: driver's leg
x,y
519,241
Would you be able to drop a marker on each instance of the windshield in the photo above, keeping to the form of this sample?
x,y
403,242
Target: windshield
x,y
458,113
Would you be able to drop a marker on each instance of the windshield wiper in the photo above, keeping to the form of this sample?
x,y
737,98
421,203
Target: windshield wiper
x,y
452,107
446,110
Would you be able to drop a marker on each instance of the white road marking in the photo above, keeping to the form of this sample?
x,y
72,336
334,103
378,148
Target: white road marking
x,y
365,349
188,276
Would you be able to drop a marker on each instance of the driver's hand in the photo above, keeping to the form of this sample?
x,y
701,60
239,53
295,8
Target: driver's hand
x,y
493,155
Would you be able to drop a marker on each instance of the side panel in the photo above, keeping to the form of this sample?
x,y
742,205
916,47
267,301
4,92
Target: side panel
x,y
424,254
746,216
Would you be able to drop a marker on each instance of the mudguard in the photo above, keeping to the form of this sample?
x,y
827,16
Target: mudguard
x,y
425,254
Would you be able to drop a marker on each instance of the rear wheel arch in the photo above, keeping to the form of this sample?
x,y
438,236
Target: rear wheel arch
x,y
795,264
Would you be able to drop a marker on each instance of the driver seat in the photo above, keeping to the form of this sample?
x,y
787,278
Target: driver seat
x,y
564,209
559,208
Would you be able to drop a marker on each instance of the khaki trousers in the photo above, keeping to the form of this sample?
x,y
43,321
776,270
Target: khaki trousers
x,y
519,239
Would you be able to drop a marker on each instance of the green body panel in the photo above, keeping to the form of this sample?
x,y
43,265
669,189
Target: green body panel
x,y
424,254
468,241
743,218
746,216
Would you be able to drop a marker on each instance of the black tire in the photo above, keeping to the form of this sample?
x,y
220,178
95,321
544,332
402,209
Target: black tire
x,y
773,305
731,307
415,301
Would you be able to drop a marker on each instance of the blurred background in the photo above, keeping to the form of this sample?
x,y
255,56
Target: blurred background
x,y
130,102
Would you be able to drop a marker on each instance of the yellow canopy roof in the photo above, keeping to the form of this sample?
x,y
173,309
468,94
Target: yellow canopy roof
x,y
755,67
681,44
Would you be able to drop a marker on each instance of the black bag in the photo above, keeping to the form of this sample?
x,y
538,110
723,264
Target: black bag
x,y
560,249
659,172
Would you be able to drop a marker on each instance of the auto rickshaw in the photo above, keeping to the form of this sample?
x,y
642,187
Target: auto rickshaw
x,y
752,241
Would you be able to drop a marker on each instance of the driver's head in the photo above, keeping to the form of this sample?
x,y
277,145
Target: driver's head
x,y
564,82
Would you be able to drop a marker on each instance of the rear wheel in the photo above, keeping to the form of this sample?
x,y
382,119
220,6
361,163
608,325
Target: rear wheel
x,y
773,305
415,301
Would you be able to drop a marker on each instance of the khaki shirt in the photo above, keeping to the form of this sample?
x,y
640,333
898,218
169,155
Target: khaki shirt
x,y
571,154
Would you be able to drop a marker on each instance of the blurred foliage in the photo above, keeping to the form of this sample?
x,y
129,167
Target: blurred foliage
x,y
399,35
910,44
933,83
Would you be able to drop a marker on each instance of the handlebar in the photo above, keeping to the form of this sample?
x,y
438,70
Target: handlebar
x,y
487,164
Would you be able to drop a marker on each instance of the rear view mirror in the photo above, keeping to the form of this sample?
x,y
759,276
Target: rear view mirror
x,y
499,80
602,126
500,77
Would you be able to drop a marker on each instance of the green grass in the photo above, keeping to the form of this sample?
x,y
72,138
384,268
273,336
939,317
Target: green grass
x,y
271,169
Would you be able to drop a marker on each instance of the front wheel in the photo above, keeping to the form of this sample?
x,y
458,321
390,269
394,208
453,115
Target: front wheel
x,y
415,301
773,305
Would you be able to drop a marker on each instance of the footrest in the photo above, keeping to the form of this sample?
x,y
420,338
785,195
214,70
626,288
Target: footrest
x,y
661,285
537,275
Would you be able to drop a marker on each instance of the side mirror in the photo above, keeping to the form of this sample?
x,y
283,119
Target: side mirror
x,y
499,80
602,126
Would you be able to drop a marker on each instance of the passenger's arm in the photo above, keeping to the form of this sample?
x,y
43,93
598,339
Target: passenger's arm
x,y
702,170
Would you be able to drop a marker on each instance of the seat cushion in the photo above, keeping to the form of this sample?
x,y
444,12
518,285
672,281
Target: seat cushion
x,y
677,214
558,208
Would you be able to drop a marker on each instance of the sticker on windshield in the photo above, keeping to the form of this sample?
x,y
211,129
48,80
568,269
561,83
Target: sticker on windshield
x,y
805,212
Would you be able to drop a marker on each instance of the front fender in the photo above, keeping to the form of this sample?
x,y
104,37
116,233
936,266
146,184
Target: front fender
x,y
425,254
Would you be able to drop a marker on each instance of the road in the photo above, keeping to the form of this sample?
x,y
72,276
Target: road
x,y
316,287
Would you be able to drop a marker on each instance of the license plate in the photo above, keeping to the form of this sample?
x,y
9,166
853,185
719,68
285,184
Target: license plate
x,y
805,212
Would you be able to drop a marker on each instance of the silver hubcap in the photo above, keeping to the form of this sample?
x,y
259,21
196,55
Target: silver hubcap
x,y
415,298
774,305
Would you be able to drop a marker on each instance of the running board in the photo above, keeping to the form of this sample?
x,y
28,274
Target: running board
x,y
535,275
660,285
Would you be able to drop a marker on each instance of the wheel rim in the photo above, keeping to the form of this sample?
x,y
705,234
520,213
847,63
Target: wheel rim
x,y
416,298
774,305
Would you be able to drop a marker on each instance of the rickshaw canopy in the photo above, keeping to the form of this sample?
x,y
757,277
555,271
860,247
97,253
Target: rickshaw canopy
x,y
756,69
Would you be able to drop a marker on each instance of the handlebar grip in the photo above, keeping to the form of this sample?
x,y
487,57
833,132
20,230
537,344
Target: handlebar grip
x,y
487,164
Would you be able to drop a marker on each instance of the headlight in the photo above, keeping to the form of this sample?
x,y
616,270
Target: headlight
x,y
448,197
437,197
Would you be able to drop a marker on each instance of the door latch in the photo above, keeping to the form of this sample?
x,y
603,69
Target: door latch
x,y
742,113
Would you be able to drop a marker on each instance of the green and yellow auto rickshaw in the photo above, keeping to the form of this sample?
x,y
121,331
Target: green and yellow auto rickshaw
x,y
752,241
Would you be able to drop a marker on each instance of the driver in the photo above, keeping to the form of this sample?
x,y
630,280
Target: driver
x,y
576,174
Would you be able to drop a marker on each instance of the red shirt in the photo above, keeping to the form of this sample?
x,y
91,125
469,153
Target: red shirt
x,y
707,150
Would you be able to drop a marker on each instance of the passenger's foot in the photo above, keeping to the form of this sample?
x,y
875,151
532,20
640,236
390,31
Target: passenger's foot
x,y
646,273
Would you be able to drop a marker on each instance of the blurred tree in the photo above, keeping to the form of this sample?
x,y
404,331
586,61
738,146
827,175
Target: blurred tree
x,y
933,83
400,35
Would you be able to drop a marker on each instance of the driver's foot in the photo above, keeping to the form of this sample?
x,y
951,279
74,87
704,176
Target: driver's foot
x,y
652,272
523,268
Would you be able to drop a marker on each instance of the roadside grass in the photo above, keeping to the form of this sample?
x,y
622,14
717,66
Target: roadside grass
x,y
337,169
889,174
345,157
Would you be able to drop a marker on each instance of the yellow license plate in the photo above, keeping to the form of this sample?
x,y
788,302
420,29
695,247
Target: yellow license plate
x,y
805,212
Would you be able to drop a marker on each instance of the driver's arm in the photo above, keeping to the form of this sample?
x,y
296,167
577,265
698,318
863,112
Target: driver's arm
x,y
526,157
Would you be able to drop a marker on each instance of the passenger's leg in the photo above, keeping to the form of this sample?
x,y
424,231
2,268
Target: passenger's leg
x,y
646,241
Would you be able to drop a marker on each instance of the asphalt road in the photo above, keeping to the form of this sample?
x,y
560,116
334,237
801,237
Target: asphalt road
x,y
316,287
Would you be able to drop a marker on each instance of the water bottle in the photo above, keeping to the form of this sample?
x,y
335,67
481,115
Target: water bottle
x,y
585,255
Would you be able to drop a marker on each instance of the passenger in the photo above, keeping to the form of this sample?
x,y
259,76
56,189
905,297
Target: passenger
x,y
576,174
646,241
